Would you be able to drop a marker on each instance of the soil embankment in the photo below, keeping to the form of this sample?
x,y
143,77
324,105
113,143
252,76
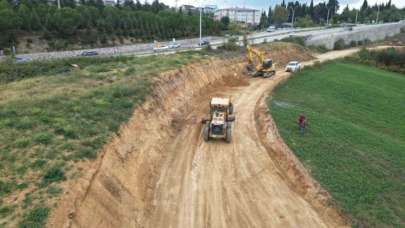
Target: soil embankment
x,y
160,173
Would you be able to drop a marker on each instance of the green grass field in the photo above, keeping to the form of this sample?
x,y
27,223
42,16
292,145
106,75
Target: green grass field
x,y
53,115
355,140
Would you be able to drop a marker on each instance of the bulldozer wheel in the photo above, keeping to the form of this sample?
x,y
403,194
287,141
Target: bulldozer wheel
x,y
229,134
206,132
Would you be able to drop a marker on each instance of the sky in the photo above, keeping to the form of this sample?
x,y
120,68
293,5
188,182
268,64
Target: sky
x,y
264,4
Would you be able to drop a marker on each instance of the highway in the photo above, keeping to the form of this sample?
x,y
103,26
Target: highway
x,y
192,44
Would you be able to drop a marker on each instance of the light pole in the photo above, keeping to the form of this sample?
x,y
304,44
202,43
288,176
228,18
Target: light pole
x,y
357,15
327,17
58,4
378,12
292,19
200,26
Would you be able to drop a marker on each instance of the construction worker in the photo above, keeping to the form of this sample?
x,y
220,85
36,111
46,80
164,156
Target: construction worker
x,y
301,123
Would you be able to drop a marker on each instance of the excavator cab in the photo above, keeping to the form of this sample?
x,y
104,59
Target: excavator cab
x,y
268,63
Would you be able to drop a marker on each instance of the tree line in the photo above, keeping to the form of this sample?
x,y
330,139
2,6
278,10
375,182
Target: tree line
x,y
327,12
91,21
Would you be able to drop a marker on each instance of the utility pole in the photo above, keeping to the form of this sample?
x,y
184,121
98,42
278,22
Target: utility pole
x,y
292,19
200,25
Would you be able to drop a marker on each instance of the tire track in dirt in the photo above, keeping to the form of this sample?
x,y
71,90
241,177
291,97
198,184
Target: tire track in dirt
x,y
160,173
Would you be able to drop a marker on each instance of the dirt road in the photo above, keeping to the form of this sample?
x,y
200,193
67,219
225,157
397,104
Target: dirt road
x,y
228,185
164,175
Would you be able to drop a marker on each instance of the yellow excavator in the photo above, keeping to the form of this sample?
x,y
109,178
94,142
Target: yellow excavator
x,y
263,67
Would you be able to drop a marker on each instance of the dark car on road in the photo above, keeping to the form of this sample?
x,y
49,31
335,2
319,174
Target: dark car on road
x,y
22,59
89,53
204,43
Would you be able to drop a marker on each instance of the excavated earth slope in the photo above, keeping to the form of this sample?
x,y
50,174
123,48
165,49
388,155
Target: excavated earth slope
x,y
159,172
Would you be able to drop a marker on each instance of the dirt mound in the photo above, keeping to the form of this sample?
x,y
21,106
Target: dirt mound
x,y
283,52
118,188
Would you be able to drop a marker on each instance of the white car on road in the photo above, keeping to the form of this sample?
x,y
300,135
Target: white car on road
x,y
174,45
293,66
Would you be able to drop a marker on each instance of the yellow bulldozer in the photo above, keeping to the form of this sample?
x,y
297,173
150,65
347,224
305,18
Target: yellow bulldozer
x,y
262,67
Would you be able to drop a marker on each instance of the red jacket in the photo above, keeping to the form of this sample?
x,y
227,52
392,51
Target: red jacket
x,y
301,121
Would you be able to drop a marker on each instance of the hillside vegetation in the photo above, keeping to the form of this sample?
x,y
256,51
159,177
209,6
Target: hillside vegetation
x,y
91,23
52,116
392,59
355,140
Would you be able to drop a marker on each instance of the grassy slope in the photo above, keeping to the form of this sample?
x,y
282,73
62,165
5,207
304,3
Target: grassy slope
x,y
355,143
50,120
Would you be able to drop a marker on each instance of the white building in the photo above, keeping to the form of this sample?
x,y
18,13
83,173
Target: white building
x,y
210,8
243,15
206,9
111,2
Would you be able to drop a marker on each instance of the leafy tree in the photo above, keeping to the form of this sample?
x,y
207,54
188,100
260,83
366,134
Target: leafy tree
x,y
225,23
364,6
333,6
305,22
9,23
264,22
269,16
280,15
311,9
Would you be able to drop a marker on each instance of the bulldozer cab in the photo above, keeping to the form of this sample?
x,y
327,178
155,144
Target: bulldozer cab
x,y
223,105
219,124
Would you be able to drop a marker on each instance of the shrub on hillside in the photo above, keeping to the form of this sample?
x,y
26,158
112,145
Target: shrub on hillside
x,y
305,22
12,72
231,45
353,43
339,44
35,218
53,174
319,48
295,39
390,59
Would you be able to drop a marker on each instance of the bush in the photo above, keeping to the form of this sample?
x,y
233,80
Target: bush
x,y
339,45
320,48
12,72
54,190
35,218
43,138
53,174
38,163
364,54
295,39
353,43
22,142
231,45
5,187
366,41
390,59
305,22
4,211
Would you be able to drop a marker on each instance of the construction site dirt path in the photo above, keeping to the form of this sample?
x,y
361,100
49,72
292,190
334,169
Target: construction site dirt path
x,y
200,184
233,185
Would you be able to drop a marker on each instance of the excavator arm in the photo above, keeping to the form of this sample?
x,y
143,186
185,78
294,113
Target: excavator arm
x,y
251,53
